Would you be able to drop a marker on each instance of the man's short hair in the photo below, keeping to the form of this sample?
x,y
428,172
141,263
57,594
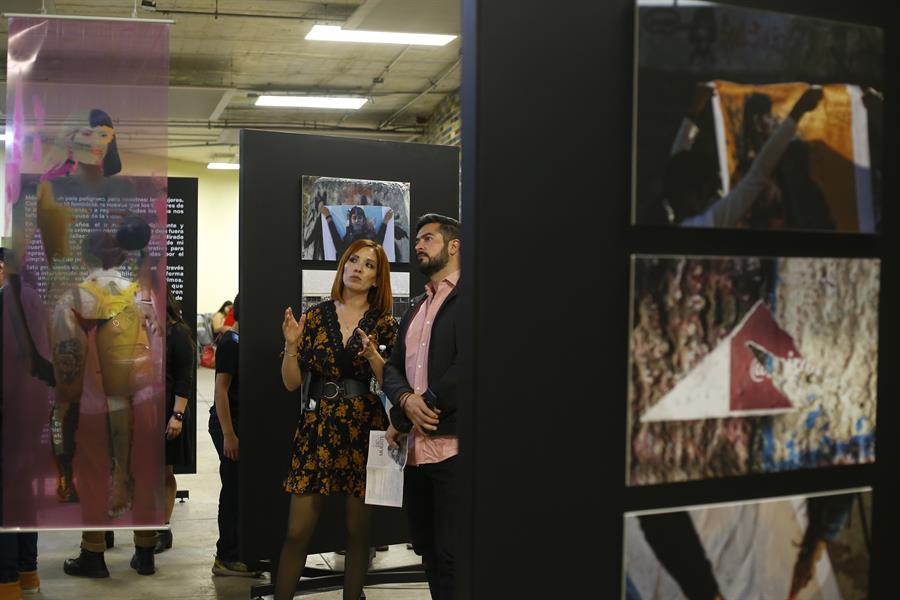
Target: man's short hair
x,y
449,227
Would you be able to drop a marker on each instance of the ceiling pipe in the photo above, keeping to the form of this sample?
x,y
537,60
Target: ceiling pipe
x,y
428,90
380,79
322,17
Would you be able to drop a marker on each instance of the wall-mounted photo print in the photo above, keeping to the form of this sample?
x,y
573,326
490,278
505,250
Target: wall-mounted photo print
x,y
317,288
742,365
337,212
755,119
798,548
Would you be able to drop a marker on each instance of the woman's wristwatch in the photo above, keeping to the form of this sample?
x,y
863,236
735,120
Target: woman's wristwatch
x,y
179,416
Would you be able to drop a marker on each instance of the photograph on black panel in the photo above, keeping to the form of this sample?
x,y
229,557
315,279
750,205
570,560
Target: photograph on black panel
x,y
813,547
744,365
756,119
336,212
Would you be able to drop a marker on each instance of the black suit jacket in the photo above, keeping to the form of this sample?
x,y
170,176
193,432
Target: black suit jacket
x,y
443,371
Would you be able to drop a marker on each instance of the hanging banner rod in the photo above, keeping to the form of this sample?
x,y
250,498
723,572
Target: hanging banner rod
x,y
81,18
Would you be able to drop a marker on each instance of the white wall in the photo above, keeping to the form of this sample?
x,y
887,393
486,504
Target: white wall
x,y
217,233
217,225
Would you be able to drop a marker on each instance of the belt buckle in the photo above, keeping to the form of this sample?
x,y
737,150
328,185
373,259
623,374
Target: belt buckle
x,y
337,390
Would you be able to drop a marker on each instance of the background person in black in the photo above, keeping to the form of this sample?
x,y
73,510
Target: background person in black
x,y
223,426
18,551
179,386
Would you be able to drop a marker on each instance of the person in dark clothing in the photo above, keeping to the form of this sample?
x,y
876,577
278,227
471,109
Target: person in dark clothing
x,y
420,379
180,367
223,428
18,551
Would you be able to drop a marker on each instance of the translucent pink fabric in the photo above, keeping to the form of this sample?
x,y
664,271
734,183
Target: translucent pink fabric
x,y
84,297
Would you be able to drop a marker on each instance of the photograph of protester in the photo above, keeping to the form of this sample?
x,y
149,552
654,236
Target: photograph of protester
x,y
755,119
337,212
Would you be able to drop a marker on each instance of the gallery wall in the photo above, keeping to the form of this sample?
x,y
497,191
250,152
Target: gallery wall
x,y
567,191
217,240
274,165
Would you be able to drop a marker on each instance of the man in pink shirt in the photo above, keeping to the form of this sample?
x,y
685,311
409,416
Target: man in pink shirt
x,y
421,381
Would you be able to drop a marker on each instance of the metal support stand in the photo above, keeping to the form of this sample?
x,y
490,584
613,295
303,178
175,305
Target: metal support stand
x,y
325,579
182,495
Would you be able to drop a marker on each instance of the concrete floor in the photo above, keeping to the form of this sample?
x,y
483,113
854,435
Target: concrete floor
x,y
183,572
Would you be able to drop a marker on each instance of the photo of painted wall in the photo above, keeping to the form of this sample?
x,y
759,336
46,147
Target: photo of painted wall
x,y
338,211
812,547
756,119
743,365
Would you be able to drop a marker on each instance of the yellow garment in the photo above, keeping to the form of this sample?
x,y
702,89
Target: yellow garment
x,y
109,299
828,130
123,347
53,220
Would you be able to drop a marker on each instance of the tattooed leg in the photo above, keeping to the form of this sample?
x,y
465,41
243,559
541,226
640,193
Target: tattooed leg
x,y
69,343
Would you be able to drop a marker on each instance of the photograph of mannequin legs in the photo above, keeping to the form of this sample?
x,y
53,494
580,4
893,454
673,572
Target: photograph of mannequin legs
x,y
302,518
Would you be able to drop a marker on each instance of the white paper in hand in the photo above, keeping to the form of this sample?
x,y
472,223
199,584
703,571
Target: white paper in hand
x,y
384,471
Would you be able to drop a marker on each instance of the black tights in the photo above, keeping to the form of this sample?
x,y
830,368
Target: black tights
x,y
302,517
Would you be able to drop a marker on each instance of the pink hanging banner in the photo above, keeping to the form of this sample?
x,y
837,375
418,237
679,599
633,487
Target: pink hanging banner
x,y
84,298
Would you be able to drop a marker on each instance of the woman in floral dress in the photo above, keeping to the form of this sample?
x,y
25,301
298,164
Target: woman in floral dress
x,y
336,345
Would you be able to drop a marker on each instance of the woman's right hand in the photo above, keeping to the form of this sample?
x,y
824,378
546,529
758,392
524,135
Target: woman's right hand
x,y
291,328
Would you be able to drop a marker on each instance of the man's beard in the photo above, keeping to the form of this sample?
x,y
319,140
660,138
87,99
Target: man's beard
x,y
435,264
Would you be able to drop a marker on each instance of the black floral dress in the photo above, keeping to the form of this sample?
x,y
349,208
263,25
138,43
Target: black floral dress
x,y
331,444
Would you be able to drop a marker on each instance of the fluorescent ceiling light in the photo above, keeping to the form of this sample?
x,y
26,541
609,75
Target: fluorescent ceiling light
x,y
333,33
673,3
312,102
2,137
217,166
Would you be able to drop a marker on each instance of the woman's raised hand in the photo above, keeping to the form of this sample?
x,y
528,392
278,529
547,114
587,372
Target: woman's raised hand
x,y
291,328
369,351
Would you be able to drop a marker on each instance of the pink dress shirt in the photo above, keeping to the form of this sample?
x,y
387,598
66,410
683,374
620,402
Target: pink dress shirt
x,y
427,449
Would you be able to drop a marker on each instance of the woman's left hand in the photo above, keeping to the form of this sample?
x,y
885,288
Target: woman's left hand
x,y
369,350
173,429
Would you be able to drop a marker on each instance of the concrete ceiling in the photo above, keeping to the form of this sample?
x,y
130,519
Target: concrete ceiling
x,y
224,53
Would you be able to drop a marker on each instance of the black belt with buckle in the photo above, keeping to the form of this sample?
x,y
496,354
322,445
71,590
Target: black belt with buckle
x,y
345,388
